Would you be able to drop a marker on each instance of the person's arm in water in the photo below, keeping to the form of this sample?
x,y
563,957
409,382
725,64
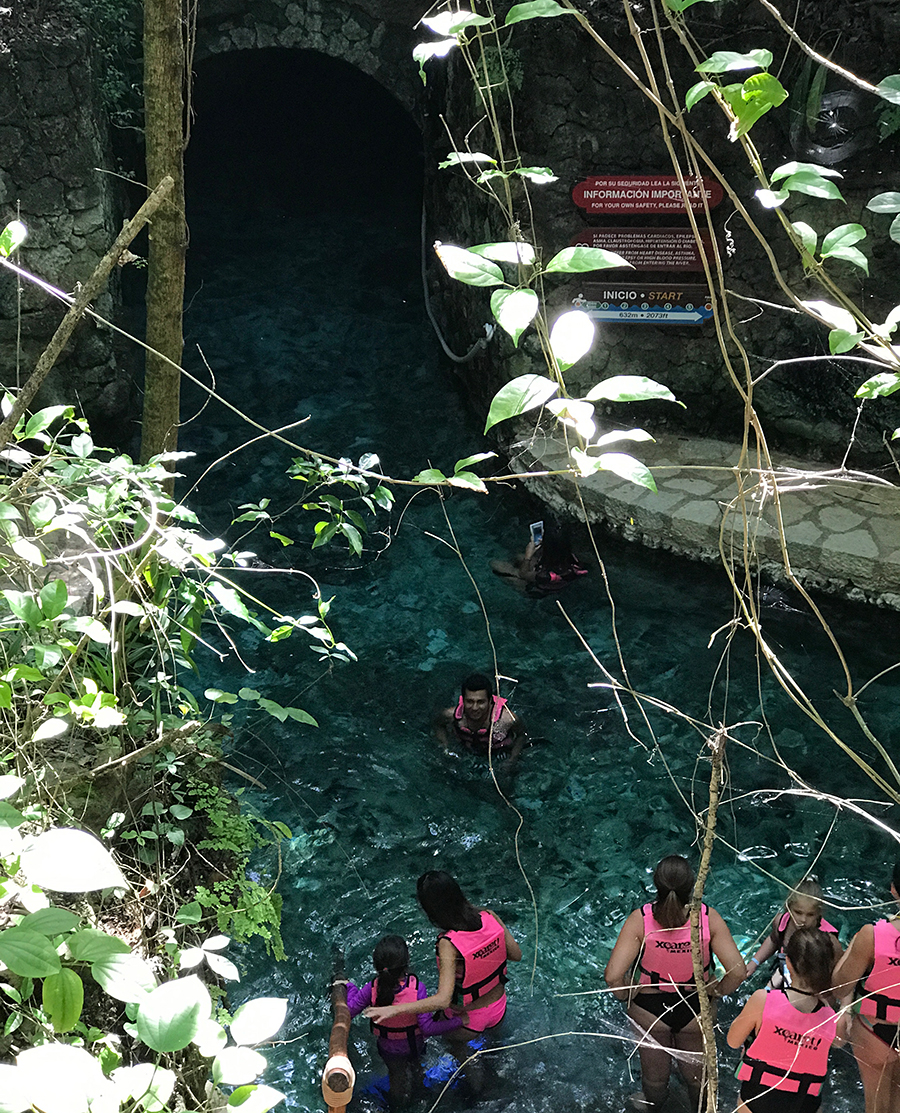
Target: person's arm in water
x,y
725,949
443,727
748,1021
627,948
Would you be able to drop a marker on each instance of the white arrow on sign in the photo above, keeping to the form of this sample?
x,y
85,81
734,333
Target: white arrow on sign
x,y
673,316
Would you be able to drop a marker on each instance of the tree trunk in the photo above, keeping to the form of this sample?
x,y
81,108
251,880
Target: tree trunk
x,y
164,131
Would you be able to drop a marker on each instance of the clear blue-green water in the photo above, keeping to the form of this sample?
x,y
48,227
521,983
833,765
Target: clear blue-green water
x,y
324,318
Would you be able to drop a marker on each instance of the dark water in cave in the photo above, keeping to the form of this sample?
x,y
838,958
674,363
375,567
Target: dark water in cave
x,y
305,299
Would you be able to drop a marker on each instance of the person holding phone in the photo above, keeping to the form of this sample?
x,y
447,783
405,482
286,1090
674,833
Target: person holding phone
x,y
547,565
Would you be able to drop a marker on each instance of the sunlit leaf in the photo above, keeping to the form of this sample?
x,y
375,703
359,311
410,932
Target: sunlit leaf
x,y
457,158
254,1099
628,468
576,413
833,315
630,388
697,93
813,184
43,419
170,1017
514,310
772,199
70,861
62,998
10,784
225,968
14,1093
467,267
889,89
51,921
53,598
42,511
218,696
536,9
258,1020
462,465
788,169
808,236
623,435
469,480
539,175
430,475
727,61
28,953
23,548
576,260
506,252
12,237
61,1078
880,386
235,1066
524,393
146,1084
92,945
885,203
840,341
571,337
424,51
451,23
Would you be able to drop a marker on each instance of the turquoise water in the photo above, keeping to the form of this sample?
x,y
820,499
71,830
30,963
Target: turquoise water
x,y
325,319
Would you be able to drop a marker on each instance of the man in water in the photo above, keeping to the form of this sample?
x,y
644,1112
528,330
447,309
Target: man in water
x,y
482,721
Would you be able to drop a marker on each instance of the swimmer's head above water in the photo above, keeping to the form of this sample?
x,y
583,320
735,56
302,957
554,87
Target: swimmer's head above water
x,y
444,903
477,692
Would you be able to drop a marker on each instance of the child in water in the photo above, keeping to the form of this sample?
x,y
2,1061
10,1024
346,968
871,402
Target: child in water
x,y
401,1039
792,1030
802,909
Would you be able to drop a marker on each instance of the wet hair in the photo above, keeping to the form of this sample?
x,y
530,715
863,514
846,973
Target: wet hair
x,y
391,961
674,881
477,682
444,904
554,554
895,876
812,956
809,889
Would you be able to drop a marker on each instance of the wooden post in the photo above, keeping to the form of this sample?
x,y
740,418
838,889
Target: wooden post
x,y
338,1076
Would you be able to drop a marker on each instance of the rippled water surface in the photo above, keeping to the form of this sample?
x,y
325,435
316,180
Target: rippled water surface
x,y
324,318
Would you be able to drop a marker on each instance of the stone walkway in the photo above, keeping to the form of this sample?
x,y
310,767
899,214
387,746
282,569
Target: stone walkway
x,y
842,530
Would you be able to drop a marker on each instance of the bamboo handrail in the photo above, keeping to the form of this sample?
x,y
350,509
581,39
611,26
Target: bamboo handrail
x,y
338,1076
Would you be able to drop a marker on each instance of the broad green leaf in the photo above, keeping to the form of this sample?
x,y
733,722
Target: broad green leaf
x,y
229,598
353,536
24,606
469,480
727,61
218,696
536,9
461,465
150,1087
127,606
759,93
93,627
840,341
697,93
808,236
539,175
170,1017
514,310
211,1038
255,1099
524,393
5,701
889,89
623,435
880,386
451,23
788,169
458,158
51,921
850,255
28,953
52,728
772,199
8,512
842,236
576,260
62,997
300,716
571,337
9,783
885,203
630,388
507,252
225,968
467,267
53,598
42,511
44,418
82,446
10,817
430,475
236,1066
424,51
586,463
813,184
189,913
628,468
61,1078
93,945
833,315
258,1020
12,237
249,693
70,861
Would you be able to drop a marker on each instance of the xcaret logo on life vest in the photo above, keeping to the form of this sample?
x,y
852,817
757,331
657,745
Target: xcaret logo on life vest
x,y
486,950
673,948
799,1039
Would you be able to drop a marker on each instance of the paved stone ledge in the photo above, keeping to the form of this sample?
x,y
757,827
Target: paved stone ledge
x,y
842,530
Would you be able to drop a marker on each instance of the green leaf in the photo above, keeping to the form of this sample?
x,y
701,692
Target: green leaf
x,y
300,716
42,511
458,158
43,419
23,606
430,475
759,93
788,169
70,861
880,386
842,236
324,533
507,252
696,93
10,817
12,237
171,1016
218,696
539,175
727,61
150,1087
189,913
280,537
622,435
840,341
62,997
28,953
8,512
424,51
93,627
683,5
524,393
885,203
258,1020
628,468
51,921
352,535
576,260
514,310
53,598
849,255
180,811
536,9
770,199
813,184
238,1065
82,446
461,465
630,388
451,23
467,267
469,480
249,693
255,1099
889,89
94,945
808,236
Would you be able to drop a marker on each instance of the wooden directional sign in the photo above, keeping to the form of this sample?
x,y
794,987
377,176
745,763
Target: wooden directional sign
x,y
652,304
633,193
649,249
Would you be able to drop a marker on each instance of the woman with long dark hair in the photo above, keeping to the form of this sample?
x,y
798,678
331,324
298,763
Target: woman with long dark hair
x,y
472,951
651,969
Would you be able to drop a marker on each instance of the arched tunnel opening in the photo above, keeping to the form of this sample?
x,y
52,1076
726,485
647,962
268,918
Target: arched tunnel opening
x,y
298,131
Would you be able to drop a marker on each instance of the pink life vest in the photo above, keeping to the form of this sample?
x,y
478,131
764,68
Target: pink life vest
x,y
481,735
882,985
665,960
785,920
404,1027
790,1051
483,959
